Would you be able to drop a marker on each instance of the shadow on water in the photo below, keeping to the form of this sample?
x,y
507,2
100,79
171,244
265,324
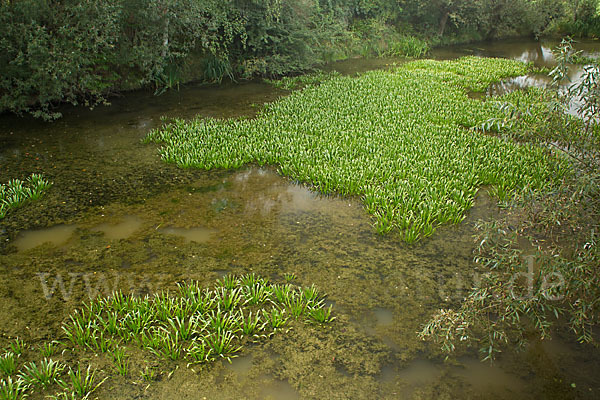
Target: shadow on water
x,y
119,218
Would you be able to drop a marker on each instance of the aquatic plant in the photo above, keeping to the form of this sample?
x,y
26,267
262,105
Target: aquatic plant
x,y
257,294
215,69
203,301
222,344
184,327
252,279
407,46
229,298
8,363
282,292
321,315
171,345
79,331
16,192
17,346
252,324
311,293
83,383
198,351
49,349
275,317
522,295
149,374
121,361
297,304
151,339
102,342
110,322
193,323
13,390
136,321
43,374
218,319
406,141
200,324
228,281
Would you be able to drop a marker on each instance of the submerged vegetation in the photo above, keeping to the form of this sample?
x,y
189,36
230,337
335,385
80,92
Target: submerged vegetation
x,y
401,140
195,324
16,192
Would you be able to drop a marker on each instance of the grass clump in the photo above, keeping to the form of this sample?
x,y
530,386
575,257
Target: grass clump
x,y
44,374
40,378
13,390
8,363
83,383
401,140
17,346
16,192
196,324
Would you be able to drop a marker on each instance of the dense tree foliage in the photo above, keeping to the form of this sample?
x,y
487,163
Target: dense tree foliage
x,y
79,51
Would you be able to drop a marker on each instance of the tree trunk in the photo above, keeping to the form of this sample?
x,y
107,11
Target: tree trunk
x,y
165,39
443,22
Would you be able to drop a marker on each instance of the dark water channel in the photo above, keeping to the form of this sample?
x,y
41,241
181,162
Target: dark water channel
x,y
117,217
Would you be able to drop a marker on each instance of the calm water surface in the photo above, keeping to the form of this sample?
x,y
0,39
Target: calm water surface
x,y
117,217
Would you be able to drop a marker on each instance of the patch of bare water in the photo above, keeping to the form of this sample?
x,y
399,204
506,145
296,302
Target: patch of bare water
x,y
58,235
197,234
240,366
383,316
485,378
123,229
278,390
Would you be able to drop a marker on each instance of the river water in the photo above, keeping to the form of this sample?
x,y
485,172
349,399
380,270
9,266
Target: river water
x,y
117,217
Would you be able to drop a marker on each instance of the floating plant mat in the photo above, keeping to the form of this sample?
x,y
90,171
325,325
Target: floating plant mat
x,y
400,139
195,324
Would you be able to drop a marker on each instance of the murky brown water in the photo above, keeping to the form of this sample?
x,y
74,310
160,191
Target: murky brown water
x,y
119,218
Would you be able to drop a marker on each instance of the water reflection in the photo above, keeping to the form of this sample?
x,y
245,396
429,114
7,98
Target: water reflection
x,y
541,55
519,83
